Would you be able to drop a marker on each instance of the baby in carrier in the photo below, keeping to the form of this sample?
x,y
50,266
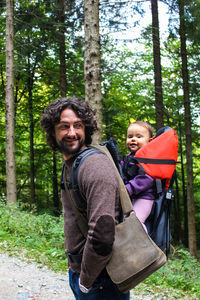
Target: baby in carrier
x,y
141,187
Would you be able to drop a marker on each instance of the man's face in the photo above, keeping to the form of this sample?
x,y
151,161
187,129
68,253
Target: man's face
x,y
70,133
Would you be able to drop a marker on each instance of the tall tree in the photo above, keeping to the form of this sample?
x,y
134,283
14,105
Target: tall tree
x,y
62,47
92,70
157,66
9,99
30,84
190,188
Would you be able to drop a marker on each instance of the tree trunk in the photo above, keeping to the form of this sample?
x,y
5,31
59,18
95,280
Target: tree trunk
x,y
56,199
157,66
31,131
9,100
2,80
92,69
177,213
62,47
185,224
190,189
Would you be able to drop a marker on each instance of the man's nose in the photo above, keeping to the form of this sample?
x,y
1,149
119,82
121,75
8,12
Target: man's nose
x,y
71,131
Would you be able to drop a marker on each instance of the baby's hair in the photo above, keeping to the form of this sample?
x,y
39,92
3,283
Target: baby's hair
x,y
144,124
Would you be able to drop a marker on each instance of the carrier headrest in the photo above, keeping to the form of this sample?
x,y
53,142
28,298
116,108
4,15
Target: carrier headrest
x,y
162,130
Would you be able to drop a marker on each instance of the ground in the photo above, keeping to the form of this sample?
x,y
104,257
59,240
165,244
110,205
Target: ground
x,y
25,281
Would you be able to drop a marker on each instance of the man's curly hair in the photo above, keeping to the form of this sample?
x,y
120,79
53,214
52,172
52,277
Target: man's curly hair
x,y
51,117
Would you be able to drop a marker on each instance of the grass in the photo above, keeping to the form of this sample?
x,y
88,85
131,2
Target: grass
x,y
40,238
36,237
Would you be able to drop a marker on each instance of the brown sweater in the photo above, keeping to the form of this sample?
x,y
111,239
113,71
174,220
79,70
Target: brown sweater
x,y
98,183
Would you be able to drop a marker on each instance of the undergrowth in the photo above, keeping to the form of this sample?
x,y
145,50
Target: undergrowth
x,y
40,238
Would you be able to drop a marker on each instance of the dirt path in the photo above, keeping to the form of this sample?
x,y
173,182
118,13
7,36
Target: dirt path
x,y
25,281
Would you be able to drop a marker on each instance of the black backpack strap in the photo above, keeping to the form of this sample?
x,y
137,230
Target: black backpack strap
x,y
165,207
62,185
137,161
75,171
79,210
77,164
165,197
73,185
159,187
80,218
156,161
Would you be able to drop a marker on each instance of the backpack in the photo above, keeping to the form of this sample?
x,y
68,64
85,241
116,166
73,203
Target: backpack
x,y
158,222
157,159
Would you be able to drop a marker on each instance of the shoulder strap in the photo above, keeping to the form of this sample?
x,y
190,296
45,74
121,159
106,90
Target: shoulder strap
x,y
80,218
161,236
77,164
124,197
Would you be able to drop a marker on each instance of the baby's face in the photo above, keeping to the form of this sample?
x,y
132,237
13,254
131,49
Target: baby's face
x,y
137,137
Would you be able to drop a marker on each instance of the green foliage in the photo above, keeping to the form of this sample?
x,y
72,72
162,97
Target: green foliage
x,y
38,237
37,83
126,91
182,272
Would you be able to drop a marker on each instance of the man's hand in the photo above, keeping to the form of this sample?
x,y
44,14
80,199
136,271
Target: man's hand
x,y
83,288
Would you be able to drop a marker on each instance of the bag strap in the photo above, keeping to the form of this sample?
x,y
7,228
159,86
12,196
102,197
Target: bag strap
x,y
124,197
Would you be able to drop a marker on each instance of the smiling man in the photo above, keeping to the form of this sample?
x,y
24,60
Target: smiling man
x,y
69,125
70,133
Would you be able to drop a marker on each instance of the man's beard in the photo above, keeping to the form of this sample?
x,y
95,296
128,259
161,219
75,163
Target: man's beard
x,y
67,150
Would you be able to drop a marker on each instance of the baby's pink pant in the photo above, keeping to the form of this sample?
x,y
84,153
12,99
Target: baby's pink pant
x,y
142,208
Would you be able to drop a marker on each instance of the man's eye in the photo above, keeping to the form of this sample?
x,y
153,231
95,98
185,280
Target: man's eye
x,y
64,127
77,126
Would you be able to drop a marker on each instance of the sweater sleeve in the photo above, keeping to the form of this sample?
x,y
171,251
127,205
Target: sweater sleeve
x,y
142,186
99,185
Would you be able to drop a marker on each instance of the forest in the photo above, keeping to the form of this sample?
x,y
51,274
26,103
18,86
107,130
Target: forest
x,y
50,49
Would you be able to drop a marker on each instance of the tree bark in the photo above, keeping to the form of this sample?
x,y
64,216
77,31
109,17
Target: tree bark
x,y
157,66
56,199
62,47
189,158
92,69
177,213
31,130
185,224
9,100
